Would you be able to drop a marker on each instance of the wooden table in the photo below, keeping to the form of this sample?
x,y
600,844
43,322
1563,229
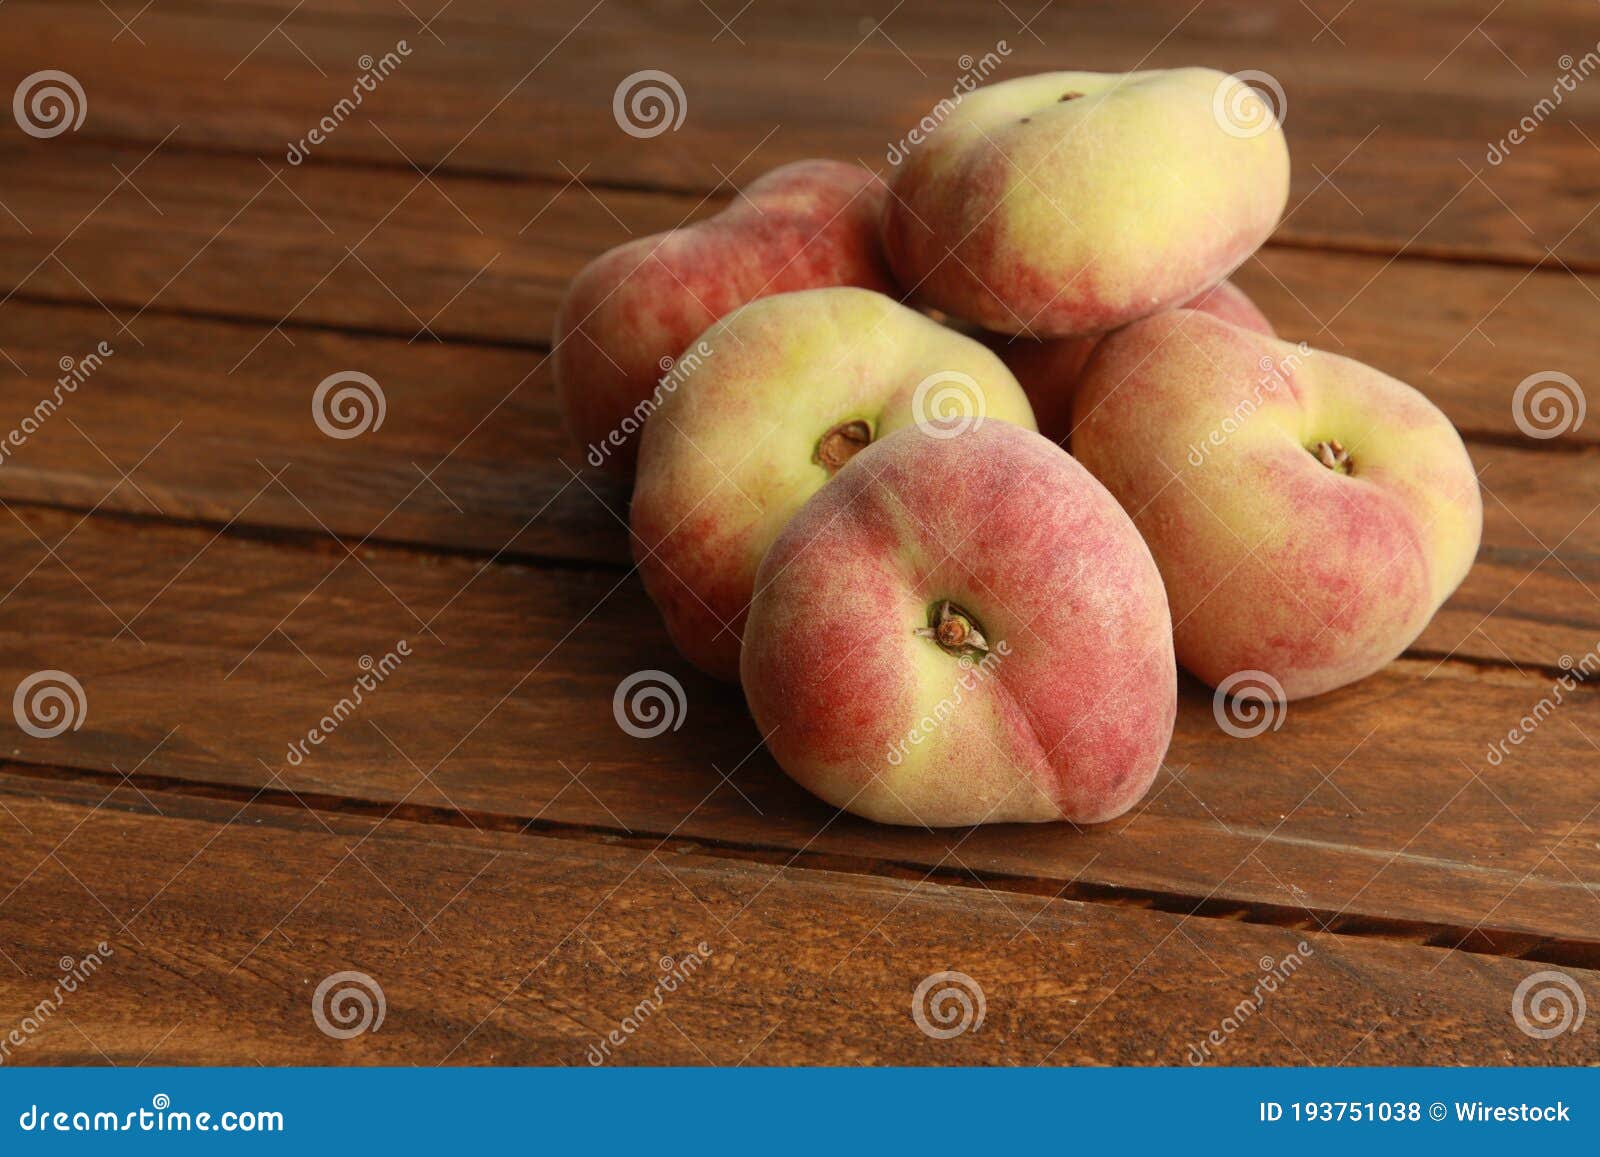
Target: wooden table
x,y
480,838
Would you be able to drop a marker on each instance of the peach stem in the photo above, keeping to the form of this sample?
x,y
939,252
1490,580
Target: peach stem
x,y
953,628
842,443
1332,455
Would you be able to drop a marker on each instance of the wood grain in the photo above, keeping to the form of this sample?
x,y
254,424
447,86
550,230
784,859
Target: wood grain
x,y
1390,114
514,949
470,453
487,262
1378,805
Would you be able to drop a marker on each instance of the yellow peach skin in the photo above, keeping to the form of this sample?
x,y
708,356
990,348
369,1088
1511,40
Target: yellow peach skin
x,y
782,393
1070,203
1309,514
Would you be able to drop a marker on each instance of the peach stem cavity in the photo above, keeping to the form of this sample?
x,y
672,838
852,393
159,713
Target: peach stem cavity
x,y
842,443
1332,455
954,629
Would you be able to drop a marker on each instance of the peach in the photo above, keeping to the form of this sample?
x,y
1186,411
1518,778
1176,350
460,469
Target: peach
x,y
1049,369
1309,513
1070,203
961,631
779,395
634,309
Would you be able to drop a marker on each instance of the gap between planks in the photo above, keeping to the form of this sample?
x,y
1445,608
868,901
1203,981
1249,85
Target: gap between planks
x,y
1568,952
1468,434
725,191
324,541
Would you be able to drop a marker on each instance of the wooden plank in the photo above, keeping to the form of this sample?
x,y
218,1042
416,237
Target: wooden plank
x,y
1526,608
488,261
1390,114
507,716
472,456
221,922
458,258
469,454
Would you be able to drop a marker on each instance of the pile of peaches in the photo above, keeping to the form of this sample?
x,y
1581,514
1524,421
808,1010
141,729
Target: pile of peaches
x,y
847,404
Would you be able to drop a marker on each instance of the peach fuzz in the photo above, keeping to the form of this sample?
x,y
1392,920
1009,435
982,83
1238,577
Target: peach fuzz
x,y
635,308
782,392
1070,203
963,630
1309,513
1049,369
